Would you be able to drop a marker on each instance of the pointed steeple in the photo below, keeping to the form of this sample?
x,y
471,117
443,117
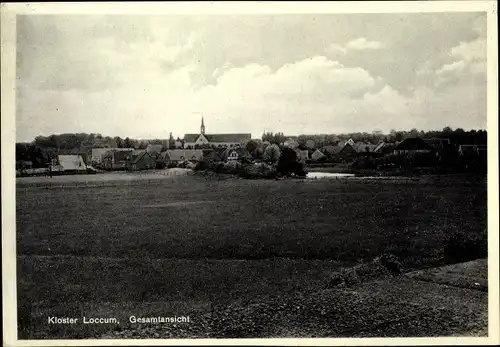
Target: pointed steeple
x,y
202,128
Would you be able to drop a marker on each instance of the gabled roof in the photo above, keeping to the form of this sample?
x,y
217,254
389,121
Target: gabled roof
x,y
229,138
465,149
191,137
235,138
118,155
212,155
331,149
437,142
71,162
364,147
385,147
412,144
137,154
183,154
242,152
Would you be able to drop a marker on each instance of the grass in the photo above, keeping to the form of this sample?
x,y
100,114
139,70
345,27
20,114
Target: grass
x,y
190,242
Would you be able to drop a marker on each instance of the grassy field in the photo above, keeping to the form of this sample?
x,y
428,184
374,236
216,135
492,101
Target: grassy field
x,y
187,245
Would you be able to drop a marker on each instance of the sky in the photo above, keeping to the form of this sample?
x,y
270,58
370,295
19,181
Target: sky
x,y
145,76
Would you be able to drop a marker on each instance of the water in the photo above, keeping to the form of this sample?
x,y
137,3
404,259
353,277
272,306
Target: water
x,y
328,175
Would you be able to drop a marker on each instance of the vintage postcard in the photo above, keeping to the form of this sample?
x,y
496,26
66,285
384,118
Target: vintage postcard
x,y
272,173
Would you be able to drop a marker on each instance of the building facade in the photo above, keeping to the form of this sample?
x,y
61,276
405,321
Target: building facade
x,y
203,139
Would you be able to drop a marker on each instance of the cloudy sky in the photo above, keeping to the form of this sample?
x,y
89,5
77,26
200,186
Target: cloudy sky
x,y
146,76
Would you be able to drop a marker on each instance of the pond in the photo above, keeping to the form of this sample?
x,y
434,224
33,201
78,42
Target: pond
x,y
328,175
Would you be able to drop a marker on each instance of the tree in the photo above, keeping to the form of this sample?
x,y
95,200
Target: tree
x,y
272,154
118,141
127,143
288,163
251,146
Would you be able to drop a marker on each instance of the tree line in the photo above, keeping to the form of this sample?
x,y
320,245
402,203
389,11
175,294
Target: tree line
x,y
44,148
457,137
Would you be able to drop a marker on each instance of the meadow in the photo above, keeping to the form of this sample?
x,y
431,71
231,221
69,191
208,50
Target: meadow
x,y
189,245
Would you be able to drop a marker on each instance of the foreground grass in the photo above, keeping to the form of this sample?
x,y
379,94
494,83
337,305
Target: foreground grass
x,y
188,243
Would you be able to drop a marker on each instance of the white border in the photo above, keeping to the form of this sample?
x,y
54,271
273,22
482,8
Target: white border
x,y
8,46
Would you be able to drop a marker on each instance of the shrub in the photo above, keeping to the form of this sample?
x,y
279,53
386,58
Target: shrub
x,y
231,167
260,170
201,165
171,165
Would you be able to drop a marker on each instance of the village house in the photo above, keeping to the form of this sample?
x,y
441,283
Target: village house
x,y
116,160
317,155
69,163
349,142
332,150
437,143
384,148
215,140
472,150
140,160
212,155
233,154
97,153
348,152
412,145
175,156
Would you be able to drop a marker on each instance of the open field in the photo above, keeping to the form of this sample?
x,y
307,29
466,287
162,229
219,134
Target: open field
x,y
188,245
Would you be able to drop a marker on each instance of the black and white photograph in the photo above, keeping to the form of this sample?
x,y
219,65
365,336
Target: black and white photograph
x,y
250,171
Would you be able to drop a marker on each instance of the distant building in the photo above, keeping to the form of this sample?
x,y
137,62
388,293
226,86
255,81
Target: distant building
x,y
238,153
70,163
437,143
472,150
384,148
215,140
348,152
332,150
116,160
317,155
97,153
140,160
175,156
349,142
412,145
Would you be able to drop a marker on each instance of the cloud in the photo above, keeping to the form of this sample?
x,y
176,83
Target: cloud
x,y
136,76
363,44
336,48
455,67
470,51
359,44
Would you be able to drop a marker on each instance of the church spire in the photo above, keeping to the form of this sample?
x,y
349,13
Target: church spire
x,y
202,129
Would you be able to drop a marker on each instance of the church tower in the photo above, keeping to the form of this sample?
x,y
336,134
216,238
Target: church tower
x,y
202,128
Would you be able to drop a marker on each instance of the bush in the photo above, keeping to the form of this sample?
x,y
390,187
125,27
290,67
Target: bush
x,y
201,165
460,248
231,167
171,165
260,170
